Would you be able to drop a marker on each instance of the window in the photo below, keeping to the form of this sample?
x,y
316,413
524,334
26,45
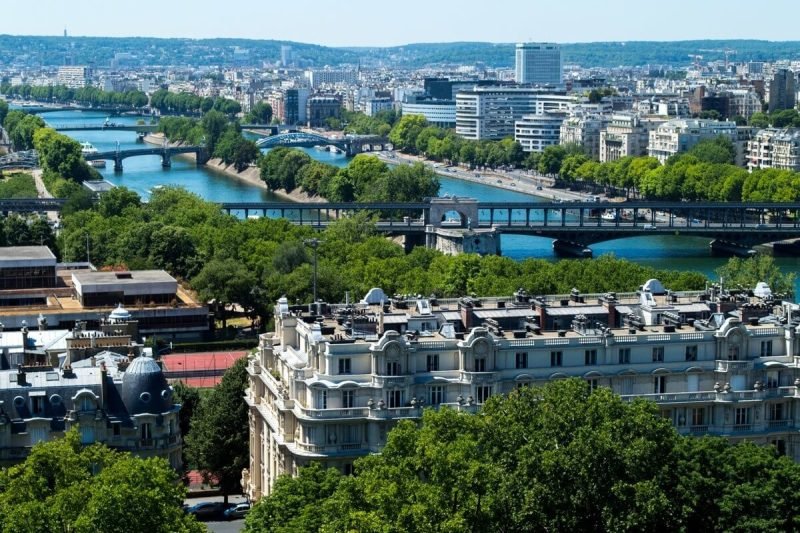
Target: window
x,y
780,446
556,358
658,354
348,399
87,433
483,393
691,353
116,428
698,416
742,416
480,364
436,395
776,411
733,353
322,399
660,384
522,360
590,357
433,362
593,384
87,404
766,348
145,431
344,365
394,398
347,469
37,405
392,368
624,356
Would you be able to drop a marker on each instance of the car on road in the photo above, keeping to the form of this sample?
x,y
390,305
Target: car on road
x,y
538,187
238,511
649,226
209,510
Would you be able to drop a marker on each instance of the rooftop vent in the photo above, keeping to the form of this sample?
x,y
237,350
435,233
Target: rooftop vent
x,y
123,275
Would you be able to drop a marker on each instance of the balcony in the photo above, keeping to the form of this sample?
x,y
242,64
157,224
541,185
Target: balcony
x,y
326,414
733,366
391,381
477,377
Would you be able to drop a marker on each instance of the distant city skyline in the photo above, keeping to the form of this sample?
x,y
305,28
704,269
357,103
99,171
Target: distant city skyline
x,y
360,23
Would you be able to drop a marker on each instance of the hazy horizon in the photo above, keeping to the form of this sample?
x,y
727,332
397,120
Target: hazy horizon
x,y
327,23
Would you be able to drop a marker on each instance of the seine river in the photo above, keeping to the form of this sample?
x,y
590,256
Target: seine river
x,y
142,174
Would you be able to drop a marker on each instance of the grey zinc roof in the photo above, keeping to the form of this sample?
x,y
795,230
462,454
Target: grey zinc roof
x,y
111,278
15,253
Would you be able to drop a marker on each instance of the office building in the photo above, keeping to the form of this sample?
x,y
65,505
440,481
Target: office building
x,y
295,105
679,135
782,90
490,112
440,113
319,78
536,132
539,64
332,380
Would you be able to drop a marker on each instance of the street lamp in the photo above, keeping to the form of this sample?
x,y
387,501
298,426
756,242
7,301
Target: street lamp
x,y
314,243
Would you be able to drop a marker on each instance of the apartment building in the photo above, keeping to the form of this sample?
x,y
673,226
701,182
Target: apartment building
x,y
332,380
774,148
679,135
74,77
626,135
491,112
584,129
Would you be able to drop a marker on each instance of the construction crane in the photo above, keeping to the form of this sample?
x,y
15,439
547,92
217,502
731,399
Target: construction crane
x,y
727,51
697,59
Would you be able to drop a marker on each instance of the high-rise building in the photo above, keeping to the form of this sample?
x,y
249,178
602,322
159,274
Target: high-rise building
x,y
74,77
539,64
782,91
287,56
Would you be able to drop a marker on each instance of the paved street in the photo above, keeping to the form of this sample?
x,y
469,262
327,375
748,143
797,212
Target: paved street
x,y
233,526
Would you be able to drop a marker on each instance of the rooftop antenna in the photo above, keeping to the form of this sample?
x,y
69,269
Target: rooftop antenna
x,y
314,243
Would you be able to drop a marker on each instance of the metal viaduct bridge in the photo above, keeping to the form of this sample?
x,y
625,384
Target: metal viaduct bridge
x,y
351,144
732,227
166,153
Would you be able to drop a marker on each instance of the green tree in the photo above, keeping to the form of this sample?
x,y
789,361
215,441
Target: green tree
x,y
260,113
189,400
219,435
115,491
718,150
214,124
114,202
404,134
3,110
746,273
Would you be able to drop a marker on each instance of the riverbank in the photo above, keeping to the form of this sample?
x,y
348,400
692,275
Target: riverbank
x,y
517,181
251,175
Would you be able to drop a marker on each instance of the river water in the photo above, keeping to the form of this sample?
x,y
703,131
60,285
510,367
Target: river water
x,y
142,174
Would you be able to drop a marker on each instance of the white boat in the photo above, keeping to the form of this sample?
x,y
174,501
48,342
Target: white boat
x,y
609,215
98,163
88,149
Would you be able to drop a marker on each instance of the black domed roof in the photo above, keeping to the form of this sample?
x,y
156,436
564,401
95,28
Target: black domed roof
x,y
144,388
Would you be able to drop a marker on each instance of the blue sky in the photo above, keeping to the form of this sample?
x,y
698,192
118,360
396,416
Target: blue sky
x,y
376,23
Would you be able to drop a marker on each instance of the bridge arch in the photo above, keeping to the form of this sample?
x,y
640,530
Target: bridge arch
x,y
298,138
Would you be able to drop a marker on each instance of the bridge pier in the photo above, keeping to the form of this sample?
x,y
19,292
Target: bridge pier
x,y
463,241
166,160
117,164
571,249
727,248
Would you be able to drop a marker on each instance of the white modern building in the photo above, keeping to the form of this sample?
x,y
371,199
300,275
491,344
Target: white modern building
x,y
74,77
679,135
441,113
331,381
319,78
490,112
536,132
539,64
373,106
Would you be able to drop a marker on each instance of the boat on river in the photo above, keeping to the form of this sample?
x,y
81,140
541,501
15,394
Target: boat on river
x,y
88,149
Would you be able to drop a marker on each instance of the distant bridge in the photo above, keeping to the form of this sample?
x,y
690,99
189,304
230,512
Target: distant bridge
x,y
351,144
733,227
166,153
40,109
30,205
139,128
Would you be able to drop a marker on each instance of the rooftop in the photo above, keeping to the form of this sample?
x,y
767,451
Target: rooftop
x,y
22,253
127,277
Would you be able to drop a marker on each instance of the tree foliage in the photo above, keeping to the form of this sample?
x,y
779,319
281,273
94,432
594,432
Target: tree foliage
x,y
62,486
744,274
88,96
219,434
555,458
260,113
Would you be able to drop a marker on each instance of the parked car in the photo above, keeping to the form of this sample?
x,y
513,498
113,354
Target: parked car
x,y
649,226
209,510
238,511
